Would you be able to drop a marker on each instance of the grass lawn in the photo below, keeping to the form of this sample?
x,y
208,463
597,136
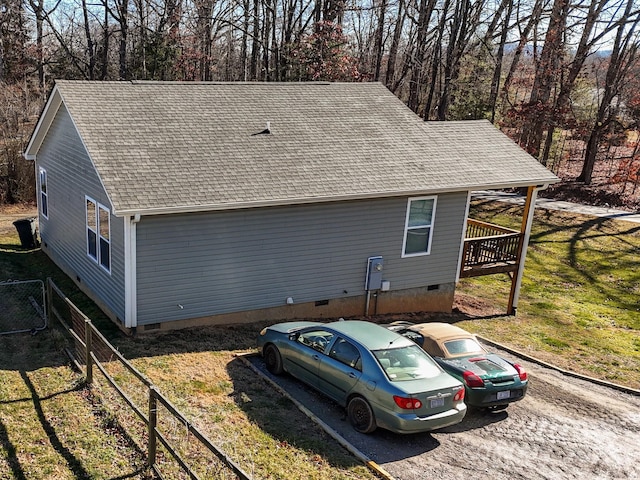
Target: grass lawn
x,y
578,309
580,299
50,425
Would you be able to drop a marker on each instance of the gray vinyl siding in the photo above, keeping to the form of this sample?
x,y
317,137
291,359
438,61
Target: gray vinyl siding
x,y
71,176
197,265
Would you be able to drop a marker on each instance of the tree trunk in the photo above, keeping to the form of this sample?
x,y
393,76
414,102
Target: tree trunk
x,y
417,60
266,38
255,43
395,43
547,72
104,58
378,47
204,26
436,59
455,50
91,57
522,43
497,71
39,12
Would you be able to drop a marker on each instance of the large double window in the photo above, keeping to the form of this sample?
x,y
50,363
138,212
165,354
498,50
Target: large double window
x,y
418,228
98,233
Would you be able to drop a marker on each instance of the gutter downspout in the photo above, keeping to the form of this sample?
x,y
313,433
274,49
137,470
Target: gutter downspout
x,y
525,229
130,275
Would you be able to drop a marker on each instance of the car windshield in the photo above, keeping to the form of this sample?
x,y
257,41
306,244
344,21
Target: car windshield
x,y
463,346
406,363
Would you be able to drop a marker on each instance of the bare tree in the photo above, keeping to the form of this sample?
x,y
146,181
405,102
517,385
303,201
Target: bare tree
x,y
458,39
546,78
507,7
416,60
624,54
14,35
401,16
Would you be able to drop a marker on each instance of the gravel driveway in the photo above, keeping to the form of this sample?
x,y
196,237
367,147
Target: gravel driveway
x,y
564,428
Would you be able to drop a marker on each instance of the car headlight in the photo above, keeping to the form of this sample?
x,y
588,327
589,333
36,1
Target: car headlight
x,y
263,331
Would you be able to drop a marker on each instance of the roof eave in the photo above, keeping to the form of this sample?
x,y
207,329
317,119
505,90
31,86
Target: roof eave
x,y
180,209
44,122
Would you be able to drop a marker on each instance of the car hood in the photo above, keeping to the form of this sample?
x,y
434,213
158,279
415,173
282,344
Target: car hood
x,y
487,366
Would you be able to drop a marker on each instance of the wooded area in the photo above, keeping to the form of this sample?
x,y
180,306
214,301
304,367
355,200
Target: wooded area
x,y
560,77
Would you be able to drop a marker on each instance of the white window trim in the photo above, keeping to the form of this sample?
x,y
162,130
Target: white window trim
x,y
99,237
431,226
98,206
42,172
88,227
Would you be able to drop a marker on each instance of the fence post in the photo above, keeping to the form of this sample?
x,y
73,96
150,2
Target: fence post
x,y
153,421
47,299
88,348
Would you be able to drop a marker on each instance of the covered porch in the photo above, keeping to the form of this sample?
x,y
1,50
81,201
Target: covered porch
x,y
490,249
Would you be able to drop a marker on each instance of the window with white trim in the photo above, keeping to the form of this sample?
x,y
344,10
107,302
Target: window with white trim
x,y
418,228
44,198
105,237
98,233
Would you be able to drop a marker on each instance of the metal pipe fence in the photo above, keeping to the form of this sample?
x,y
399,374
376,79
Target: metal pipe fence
x,y
22,306
175,447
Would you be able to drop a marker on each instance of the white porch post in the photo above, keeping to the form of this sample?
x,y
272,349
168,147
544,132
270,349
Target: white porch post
x,y
130,284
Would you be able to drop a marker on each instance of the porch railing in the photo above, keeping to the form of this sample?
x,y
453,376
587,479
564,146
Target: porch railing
x,y
488,248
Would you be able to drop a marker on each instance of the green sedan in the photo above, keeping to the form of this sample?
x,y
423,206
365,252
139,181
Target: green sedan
x,y
380,377
490,381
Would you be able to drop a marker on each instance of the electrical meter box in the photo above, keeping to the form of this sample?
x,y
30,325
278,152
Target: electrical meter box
x,y
374,274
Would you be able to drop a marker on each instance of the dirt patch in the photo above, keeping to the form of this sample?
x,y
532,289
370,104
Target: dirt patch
x,y
11,213
465,307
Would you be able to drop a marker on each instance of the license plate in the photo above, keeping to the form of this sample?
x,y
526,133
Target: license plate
x,y
437,402
503,395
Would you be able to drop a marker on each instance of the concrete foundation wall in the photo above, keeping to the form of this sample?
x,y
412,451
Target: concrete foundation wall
x,y
437,298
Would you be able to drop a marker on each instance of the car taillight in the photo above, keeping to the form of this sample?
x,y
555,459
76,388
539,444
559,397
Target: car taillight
x,y
407,403
459,396
522,373
472,379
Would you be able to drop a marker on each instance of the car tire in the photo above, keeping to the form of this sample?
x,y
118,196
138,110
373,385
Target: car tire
x,y
273,359
361,415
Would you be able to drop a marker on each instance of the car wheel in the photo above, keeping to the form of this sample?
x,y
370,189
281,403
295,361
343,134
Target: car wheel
x,y
360,415
272,359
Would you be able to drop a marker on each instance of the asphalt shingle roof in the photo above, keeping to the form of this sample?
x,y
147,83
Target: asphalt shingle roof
x,y
167,146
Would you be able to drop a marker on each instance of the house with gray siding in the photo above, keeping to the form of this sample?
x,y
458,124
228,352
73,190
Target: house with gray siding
x,y
175,204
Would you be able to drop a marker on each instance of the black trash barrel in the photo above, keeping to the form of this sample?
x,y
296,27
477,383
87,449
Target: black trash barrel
x,y
27,232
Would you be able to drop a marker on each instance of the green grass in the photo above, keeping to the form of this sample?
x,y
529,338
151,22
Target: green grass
x,y
50,425
580,298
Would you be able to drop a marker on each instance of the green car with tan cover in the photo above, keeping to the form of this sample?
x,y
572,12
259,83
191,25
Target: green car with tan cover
x,y
490,380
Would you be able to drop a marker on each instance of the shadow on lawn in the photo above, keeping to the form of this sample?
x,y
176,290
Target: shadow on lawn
x,y
55,434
